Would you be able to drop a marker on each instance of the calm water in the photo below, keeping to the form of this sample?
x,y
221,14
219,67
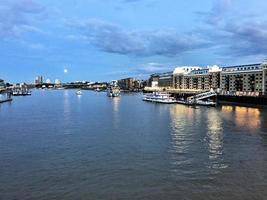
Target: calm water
x,y
55,145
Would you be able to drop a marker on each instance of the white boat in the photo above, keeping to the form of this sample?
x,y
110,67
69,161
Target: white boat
x,y
113,91
205,103
158,97
79,92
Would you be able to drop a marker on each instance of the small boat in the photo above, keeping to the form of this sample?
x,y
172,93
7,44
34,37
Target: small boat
x,y
21,93
79,92
158,97
113,91
205,103
197,103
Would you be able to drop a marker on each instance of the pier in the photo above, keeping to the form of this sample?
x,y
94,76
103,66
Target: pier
x,y
5,96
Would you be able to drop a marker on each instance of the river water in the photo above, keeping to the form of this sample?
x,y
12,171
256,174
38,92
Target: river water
x,y
56,145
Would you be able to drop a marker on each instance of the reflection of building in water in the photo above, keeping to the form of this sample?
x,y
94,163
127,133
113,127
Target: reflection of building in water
x,y
227,109
181,118
115,109
214,134
248,117
215,140
244,116
66,104
115,104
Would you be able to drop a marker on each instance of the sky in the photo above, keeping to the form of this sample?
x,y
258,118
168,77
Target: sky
x,y
103,40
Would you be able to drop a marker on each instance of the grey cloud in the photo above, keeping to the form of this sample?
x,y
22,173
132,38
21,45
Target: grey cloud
x,y
152,67
235,34
247,38
217,12
115,39
17,16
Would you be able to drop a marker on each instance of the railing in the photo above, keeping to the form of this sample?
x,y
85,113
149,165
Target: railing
x,y
201,96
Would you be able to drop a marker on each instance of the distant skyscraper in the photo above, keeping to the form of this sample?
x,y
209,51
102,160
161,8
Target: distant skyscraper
x,y
39,80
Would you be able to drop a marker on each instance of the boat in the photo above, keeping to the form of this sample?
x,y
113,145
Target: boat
x,y
159,97
21,92
113,91
205,103
79,92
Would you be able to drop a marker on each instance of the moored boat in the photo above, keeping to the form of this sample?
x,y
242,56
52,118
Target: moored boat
x,y
158,97
19,92
79,92
113,91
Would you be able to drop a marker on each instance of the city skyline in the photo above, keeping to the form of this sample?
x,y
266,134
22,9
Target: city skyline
x,y
101,41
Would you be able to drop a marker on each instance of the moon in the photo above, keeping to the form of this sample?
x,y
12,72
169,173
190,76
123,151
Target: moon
x,y
65,71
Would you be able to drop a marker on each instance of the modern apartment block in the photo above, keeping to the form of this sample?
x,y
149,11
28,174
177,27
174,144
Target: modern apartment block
x,y
237,80
130,84
165,79
244,78
196,78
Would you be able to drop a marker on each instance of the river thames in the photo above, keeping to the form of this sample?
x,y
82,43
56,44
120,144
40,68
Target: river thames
x,y
56,145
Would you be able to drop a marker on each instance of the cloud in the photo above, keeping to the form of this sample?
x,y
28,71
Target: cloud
x,y
142,71
235,34
248,38
217,13
112,38
152,67
18,16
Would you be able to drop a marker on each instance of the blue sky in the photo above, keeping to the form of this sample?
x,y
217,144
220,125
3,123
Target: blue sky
x,y
112,39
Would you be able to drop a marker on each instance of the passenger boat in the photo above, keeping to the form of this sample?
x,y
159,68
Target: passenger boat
x,y
113,91
79,92
158,97
21,92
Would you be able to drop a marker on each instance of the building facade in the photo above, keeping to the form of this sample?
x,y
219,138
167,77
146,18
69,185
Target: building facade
x,y
247,80
2,84
196,78
244,79
165,80
126,84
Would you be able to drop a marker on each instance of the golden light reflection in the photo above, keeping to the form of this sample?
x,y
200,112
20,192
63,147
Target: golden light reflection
x,y
215,140
248,117
182,111
181,119
245,116
227,108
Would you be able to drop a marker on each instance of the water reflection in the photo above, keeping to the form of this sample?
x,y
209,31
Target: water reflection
x,y
182,140
66,103
215,139
66,111
115,109
245,116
